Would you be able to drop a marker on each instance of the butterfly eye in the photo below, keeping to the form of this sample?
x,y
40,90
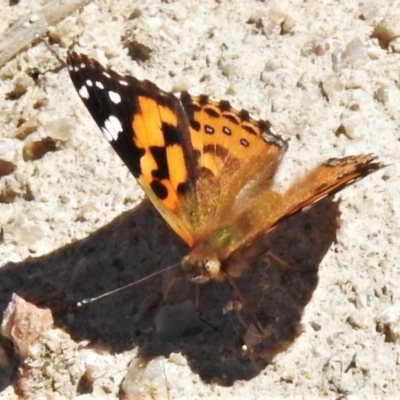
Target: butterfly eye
x,y
213,267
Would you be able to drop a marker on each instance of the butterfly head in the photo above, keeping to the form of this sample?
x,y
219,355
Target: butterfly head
x,y
200,270
204,261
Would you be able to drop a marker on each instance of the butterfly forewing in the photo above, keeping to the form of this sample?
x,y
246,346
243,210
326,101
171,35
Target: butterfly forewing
x,y
236,155
149,131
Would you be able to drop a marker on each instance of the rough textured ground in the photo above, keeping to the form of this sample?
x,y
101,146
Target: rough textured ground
x,y
325,73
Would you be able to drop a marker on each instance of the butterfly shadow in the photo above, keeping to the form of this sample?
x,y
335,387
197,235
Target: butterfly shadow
x,y
224,339
196,321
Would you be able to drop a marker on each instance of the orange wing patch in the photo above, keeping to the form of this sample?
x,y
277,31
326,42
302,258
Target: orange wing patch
x,y
162,166
165,174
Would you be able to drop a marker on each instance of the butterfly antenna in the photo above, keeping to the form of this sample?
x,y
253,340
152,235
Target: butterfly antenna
x,y
93,299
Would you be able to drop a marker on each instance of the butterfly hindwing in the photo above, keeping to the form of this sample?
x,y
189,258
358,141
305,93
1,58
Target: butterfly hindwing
x,y
267,209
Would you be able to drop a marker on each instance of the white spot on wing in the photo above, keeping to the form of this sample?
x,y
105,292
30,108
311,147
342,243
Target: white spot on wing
x,y
107,134
114,97
89,83
83,92
99,85
106,74
112,128
123,83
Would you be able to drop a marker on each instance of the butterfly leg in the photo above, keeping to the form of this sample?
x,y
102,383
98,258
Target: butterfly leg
x,y
279,260
236,289
179,288
167,289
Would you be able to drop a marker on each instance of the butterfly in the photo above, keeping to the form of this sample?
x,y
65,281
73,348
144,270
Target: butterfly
x,y
207,168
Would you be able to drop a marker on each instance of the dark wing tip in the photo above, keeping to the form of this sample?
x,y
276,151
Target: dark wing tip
x,y
364,164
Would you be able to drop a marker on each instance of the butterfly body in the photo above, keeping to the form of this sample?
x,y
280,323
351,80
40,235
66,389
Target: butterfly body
x,y
207,168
